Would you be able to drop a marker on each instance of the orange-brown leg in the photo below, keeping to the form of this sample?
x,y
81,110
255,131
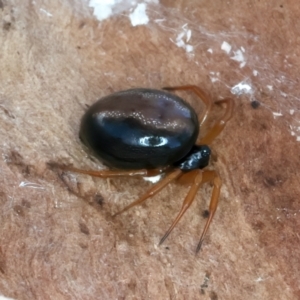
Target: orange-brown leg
x,y
118,173
195,177
200,93
154,190
211,176
219,126
109,173
198,177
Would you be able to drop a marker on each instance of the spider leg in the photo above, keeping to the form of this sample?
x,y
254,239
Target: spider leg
x,y
210,176
196,177
200,93
109,173
218,126
154,190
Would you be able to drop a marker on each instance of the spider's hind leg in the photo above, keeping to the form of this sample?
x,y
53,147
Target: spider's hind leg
x,y
218,126
108,173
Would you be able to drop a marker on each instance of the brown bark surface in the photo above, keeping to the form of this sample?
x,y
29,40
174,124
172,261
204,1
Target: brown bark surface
x,y
57,237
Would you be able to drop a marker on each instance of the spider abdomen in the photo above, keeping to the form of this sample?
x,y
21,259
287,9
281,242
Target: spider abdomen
x,y
140,128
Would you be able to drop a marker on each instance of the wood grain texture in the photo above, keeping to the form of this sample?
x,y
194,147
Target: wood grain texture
x,y
57,237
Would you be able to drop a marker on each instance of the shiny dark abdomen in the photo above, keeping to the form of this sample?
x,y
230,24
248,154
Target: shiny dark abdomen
x,y
125,142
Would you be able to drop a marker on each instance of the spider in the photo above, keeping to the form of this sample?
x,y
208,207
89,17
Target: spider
x,y
147,132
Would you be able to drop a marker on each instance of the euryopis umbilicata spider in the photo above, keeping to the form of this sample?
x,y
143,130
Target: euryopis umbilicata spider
x,y
146,132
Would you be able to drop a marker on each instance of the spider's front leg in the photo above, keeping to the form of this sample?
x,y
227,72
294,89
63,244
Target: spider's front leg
x,y
154,190
197,178
210,176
